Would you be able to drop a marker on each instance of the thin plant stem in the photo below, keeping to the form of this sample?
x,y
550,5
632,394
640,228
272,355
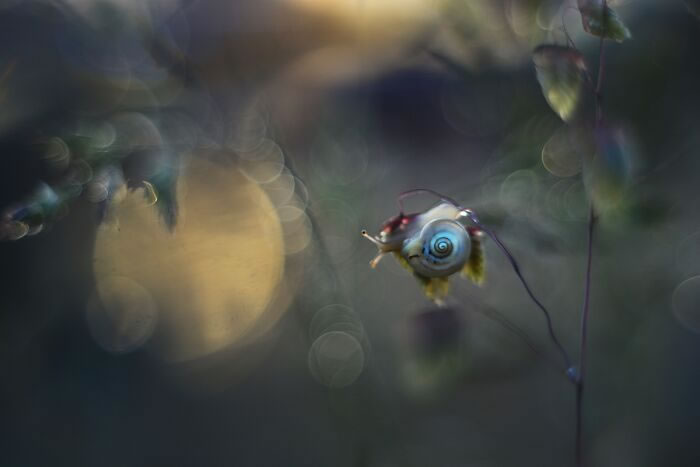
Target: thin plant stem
x,y
581,376
498,318
601,74
584,334
516,268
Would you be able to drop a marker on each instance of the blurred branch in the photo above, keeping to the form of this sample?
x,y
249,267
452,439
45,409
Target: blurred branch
x,y
589,257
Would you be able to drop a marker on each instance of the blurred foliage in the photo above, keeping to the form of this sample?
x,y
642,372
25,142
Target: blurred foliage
x,y
562,73
602,21
311,116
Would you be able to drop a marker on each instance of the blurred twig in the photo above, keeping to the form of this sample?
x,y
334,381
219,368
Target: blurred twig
x,y
580,377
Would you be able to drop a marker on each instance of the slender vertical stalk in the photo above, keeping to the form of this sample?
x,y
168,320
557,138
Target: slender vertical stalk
x,y
584,333
581,376
601,72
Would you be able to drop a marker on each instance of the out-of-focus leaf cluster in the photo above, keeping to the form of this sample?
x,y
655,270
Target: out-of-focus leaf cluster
x,y
94,164
600,20
600,150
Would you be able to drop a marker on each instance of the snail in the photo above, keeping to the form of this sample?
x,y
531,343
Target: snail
x,y
433,245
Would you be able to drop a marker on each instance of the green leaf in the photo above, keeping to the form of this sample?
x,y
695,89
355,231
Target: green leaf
x,y
164,184
600,20
435,288
475,268
561,72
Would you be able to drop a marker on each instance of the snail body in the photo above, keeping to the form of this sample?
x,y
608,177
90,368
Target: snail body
x,y
433,245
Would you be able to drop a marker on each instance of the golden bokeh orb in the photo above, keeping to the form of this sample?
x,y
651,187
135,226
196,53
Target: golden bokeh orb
x,y
215,276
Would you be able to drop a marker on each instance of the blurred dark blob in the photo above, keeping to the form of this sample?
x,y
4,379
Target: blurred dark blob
x,y
436,331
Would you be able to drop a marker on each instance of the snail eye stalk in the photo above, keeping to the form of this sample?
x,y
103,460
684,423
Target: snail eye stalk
x,y
373,264
371,239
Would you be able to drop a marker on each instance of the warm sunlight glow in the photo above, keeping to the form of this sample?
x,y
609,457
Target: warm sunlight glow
x,y
215,275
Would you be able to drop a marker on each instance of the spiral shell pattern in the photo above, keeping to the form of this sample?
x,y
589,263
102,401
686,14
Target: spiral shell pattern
x,y
439,249
440,246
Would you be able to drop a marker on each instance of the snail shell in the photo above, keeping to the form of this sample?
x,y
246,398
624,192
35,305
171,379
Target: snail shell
x,y
439,249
